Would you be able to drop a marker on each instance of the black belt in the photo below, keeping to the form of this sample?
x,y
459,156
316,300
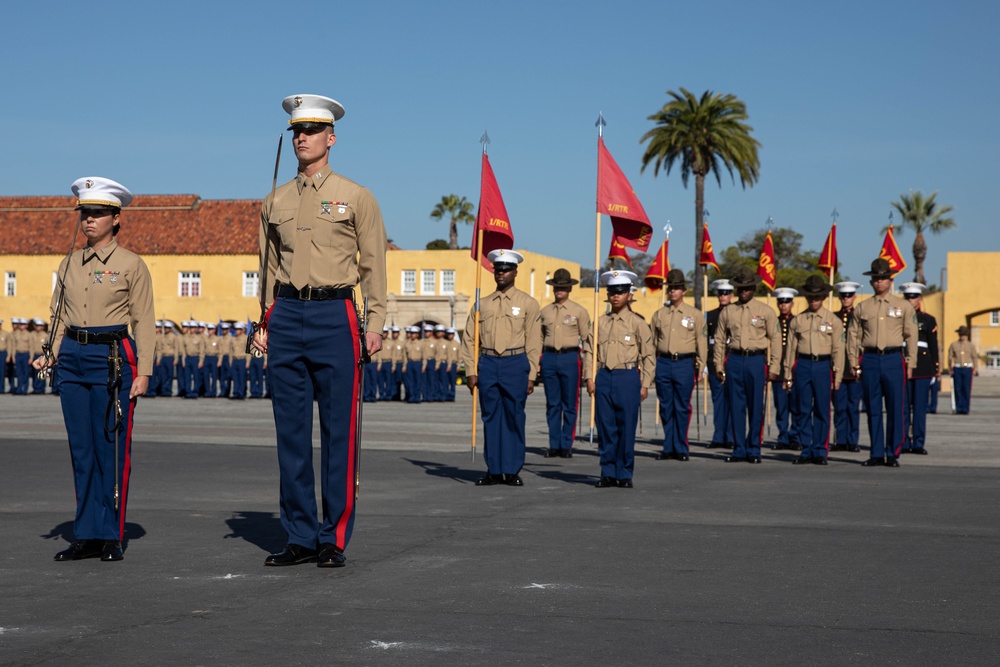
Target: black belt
x,y
84,337
623,367
815,357
747,353
314,293
675,357
883,351
506,353
560,350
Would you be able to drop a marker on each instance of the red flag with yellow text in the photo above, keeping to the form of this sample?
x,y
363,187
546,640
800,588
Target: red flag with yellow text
x,y
766,268
828,256
619,251
707,252
491,218
890,253
658,270
616,199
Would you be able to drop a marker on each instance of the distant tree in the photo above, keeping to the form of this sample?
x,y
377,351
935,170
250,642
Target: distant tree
x,y
456,209
921,214
587,277
439,244
793,263
705,135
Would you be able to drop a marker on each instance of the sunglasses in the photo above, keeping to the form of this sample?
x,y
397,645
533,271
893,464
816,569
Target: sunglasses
x,y
911,296
785,300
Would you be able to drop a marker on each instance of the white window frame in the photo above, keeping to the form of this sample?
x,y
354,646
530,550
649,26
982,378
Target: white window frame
x,y
408,282
10,283
191,280
427,279
445,290
532,284
548,287
995,318
251,283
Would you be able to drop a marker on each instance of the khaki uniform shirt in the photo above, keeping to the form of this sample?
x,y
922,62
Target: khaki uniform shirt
x,y
193,345
109,287
339,225
430,350
23,340
415,353
397,350
212,347
169,345
962,354
5,347
238,349
749,326
564,325
681,330
507,321
881,322
454,351
821,334
624,340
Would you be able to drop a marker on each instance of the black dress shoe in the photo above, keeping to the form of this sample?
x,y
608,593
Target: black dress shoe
x,y
803,459
820,460
606,482
330,555
80,549
565,453
513,480
871,463
753,459
852,448
663,456
919,450
551,453
891,462
489,480
111,551
625,484
735,459
795,446
681,457
293,554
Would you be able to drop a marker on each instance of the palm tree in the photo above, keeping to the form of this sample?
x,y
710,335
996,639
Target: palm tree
x,y
459,210
706,135
921,214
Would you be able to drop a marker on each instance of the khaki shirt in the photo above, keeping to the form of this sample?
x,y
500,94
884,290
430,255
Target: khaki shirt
x,y
507,321
397,350
23,340
339,224
749,326
430,349
882,322
5,347
238,349
820,333
415,352
564,325
962,354
193,345
168,345
623,340
454,350
212,344
681,330
109,287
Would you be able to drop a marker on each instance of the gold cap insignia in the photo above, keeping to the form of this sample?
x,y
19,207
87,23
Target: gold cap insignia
x,y
614,273
89,184
298,102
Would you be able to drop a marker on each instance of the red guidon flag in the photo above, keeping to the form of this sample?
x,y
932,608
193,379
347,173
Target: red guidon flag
x,y
707,253
492,218
660,267
619,251
616,199
765,265
828,256
890,253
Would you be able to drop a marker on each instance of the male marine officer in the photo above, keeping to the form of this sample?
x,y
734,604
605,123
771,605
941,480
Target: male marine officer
x,y
510,343
320,235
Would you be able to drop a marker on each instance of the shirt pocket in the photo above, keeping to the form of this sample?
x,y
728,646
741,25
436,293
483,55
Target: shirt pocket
x,y
332,228
283,224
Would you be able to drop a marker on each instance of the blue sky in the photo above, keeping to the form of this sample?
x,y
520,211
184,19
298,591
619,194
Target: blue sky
x,y
853,103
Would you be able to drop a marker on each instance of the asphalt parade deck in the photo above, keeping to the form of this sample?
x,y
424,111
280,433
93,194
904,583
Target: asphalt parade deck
x,y
703,563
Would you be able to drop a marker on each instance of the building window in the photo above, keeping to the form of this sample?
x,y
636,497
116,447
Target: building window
x,y
251,283
427,282
10,284
447,281
993,360
409,282
995,318
189,283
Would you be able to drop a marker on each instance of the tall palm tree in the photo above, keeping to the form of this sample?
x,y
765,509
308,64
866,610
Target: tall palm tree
x,y
921,214
706,135
458,209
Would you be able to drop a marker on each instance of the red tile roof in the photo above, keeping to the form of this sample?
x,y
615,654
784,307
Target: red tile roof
x,y
152,225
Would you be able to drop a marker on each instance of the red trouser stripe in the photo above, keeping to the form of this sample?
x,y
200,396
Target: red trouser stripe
x,y
341,531
127,346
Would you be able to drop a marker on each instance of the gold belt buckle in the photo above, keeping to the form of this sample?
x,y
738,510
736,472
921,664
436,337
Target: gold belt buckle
x,y
305,294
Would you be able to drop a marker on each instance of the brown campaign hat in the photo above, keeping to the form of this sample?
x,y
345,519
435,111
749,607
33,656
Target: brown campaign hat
x,y
962,330
816,285
562,278
675,278
744,277
880,269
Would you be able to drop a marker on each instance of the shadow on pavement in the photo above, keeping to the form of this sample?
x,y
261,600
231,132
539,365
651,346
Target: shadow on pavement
x,y
451,472
133,531
262,529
